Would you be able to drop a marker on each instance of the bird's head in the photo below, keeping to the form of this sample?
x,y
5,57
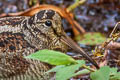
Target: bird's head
x,y
47,33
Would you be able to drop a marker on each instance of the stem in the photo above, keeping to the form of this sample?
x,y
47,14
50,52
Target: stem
x,y
88,68
76,4
82,72
114,29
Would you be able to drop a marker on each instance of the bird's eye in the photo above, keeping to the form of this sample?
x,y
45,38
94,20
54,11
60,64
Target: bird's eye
x,y
48,23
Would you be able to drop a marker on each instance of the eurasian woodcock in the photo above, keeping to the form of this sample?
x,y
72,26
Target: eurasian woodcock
x,y
22,36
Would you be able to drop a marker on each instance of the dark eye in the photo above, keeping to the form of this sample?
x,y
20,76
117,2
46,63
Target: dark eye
x,y
48,23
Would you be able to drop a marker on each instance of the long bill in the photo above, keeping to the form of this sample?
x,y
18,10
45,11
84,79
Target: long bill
x,y
68,41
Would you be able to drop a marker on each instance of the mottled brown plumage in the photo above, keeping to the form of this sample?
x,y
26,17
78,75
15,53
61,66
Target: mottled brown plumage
x,y
21,36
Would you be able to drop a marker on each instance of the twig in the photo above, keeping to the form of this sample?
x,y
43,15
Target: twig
x,y
88,68
79,27
76,4
104,62
113,31
113,45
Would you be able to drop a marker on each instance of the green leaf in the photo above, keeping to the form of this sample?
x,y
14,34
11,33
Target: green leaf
x,y
116,76
67,72
113,71
102,74
52,57
91,38
55,69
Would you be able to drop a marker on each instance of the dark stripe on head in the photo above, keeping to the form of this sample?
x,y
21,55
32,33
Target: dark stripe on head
x,y
50,14
31,20
40,14
25,24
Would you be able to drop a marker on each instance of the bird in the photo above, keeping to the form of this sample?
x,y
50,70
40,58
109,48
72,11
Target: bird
x,y
21,36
